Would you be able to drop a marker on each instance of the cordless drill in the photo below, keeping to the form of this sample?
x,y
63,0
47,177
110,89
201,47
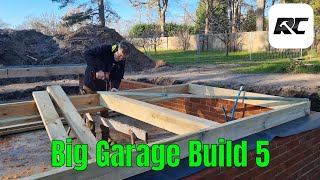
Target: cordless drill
x,y
106,78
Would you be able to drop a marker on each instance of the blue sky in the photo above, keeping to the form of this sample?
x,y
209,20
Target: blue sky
x,y
14,12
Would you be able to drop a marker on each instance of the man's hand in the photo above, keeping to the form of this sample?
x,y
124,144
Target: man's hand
x,y
114,90
100,75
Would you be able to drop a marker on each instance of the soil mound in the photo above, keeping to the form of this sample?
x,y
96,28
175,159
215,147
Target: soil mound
x,y
28,47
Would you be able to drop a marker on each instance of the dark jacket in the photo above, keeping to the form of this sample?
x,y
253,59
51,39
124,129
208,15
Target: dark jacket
x,y
102,58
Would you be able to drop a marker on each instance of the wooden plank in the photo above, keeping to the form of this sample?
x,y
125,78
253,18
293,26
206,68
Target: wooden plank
x,y
24,127
37,118
83,103
174,95
164,118
90,100
50,117
125,128
28,123
15,72
163,89
207,90
118,126
73,118
180,88
11,110
3,73
21,128
20,120
29,108
244,127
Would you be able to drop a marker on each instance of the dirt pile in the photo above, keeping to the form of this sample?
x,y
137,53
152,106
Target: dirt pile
x,y
28,47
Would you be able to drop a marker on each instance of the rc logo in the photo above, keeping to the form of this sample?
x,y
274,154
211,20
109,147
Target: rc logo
x,y
291,26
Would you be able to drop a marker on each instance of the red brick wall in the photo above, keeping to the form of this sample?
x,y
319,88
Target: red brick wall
x,y
211,108
126,85
291,157
204,108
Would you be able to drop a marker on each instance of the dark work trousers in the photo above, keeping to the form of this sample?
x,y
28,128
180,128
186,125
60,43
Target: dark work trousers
x,y
91,124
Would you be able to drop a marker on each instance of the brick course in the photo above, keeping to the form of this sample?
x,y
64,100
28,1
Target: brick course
x,y
293,157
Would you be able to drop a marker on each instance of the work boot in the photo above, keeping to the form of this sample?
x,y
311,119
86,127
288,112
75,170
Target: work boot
x,y
92,126
105,135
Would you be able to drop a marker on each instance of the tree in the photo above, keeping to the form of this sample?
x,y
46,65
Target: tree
x,y
3,24
104,10
234,11
249,23
46,23
189,14
172,29
122,26
209,5
74,19
142,29
183,34
160,5
215,21
77,17
260,15
150,34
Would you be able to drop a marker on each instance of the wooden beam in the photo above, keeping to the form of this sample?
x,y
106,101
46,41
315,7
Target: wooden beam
x,y
73,118
24,127
29,108
233,130
179,88
118,126
18,128
174,95
3,73
11,110
164,118
19,120
125,128
45,71
84,104
37,118
50,117
20,123
207,90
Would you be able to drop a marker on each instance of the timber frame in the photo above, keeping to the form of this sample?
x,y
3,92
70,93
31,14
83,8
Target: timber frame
x,y
24,116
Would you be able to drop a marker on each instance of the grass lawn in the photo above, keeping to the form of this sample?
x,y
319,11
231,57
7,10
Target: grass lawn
x,y
262,63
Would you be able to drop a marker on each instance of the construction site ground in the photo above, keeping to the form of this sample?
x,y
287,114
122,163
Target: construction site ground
x,y
28,153
218,75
